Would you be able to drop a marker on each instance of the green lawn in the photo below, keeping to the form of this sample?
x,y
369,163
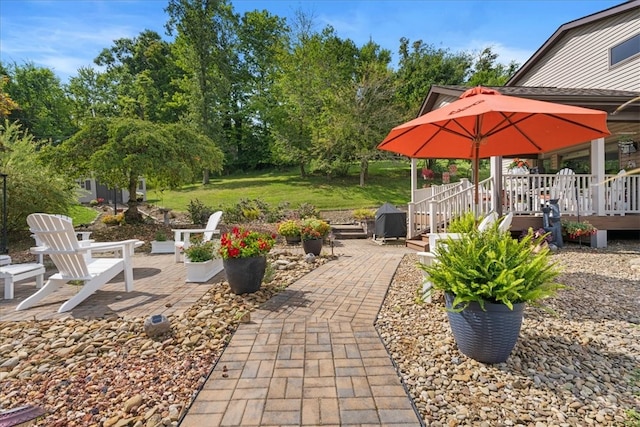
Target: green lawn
x,y
389,181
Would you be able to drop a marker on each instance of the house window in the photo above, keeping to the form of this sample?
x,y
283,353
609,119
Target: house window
x,y
624,50
87,185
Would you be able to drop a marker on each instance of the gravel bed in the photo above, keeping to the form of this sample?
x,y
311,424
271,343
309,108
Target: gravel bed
x,y
107,372
578,367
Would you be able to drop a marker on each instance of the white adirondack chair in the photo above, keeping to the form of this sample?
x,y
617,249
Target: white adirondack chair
x,y
563,188
60,242
505,223
182,237
616,193
488,221
84,235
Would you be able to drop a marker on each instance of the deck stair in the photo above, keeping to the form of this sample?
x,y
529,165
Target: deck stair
x,y
348,231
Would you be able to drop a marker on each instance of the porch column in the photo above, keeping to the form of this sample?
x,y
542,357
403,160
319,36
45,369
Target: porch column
x,y
597,170
496,189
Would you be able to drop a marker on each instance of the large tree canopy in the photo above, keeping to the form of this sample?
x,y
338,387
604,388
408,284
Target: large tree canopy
x,y
117,152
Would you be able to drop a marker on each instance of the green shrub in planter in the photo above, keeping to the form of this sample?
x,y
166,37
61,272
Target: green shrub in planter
x,y
462,224
289,228
493,267
364,214
202,251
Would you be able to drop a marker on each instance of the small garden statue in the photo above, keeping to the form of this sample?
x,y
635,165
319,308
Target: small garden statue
x,y
551,222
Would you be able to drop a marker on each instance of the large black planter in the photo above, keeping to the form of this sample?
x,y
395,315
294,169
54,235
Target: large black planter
x,y
486,336
313,246
245,274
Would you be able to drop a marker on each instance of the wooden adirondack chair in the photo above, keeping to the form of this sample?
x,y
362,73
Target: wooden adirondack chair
x,y
182,236
60,242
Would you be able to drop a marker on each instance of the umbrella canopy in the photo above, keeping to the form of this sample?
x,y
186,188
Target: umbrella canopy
x,y
483,123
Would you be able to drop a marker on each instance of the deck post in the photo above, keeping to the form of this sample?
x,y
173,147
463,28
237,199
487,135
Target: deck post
x,y
597,171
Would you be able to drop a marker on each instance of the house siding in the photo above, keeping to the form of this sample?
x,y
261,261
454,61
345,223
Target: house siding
x,y
581,57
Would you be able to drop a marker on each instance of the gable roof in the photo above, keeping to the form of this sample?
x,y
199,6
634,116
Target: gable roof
x,y
600,99
563,29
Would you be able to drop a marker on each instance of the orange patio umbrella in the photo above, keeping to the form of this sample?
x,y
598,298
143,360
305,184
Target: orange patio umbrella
x,y
484,123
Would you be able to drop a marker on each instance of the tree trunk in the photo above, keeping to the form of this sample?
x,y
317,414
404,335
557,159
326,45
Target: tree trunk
x,y
364,171
205,176
132,215
303,173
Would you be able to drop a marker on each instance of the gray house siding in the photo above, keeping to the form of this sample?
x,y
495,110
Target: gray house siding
x,y
581,57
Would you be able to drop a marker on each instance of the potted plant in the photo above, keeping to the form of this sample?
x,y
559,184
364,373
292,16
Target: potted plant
x,y
312,231
487,278
366,218
202,261
162,244
290,230
577,230
244,258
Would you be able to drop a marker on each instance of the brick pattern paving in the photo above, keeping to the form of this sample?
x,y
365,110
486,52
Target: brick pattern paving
x,y
159,288
311,355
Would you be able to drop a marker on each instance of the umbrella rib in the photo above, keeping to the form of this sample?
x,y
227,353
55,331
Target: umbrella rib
x,y
442,128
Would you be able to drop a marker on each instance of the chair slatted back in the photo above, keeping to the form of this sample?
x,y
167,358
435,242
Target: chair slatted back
x,y
214,219
61,243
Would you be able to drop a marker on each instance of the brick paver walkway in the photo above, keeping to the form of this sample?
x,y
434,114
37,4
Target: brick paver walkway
x,y
311,355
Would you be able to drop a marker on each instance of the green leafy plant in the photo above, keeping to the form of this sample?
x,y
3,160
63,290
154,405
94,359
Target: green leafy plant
x,y
364,214
201,251
575,229
289,228
198,212
314,228
161,236
307,210
241,243
491,266
462,224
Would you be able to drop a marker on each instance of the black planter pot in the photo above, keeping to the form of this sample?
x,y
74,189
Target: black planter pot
x,y
486,336
292,240
313,246
245,274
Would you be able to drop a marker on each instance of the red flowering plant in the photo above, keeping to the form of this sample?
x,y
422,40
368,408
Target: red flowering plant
x,y
519,163
241,243
428,174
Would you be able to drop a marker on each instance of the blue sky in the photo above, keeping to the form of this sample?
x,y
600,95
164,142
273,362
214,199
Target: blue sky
x,y
65,35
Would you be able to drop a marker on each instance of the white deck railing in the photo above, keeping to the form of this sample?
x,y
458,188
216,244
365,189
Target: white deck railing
x,y
577,194
447,202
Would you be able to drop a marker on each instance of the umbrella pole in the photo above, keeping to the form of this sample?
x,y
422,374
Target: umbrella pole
x,y
476,177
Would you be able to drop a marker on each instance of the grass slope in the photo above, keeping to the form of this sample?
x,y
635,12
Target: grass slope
x,y
389,181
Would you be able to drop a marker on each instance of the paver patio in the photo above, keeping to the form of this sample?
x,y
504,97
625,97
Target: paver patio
x,y
310,356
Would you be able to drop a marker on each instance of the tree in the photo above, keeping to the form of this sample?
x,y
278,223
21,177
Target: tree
x,y
424,66
204,45
314,66
92,95
6,103
44,109
118,151
33,185
365,109
487,73
140,72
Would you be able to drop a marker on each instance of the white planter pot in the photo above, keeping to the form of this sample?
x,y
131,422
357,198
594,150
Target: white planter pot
x,y
163,247
200,272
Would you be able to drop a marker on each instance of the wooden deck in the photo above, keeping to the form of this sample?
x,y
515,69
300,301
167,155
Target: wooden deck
x,y
628,223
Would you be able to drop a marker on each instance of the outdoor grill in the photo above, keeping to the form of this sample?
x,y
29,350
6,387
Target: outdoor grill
x,y
390,222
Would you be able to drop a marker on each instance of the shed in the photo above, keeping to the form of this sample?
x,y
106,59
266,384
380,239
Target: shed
x,y
390,222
